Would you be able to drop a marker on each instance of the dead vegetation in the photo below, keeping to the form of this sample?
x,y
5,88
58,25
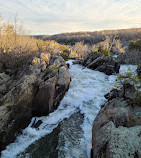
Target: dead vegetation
x,y
93,37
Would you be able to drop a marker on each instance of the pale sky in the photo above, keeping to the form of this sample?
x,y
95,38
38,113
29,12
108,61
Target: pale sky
x,y
57,16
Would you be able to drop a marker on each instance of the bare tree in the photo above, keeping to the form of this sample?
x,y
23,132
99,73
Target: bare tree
x,y
0,35
15,29
80,49
110,44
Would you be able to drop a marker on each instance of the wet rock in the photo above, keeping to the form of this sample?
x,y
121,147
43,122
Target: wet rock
x,y
36,124
112,94
68,65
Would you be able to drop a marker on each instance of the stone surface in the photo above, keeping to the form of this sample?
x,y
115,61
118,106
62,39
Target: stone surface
x,y
130,57
76,62
4,81
32,91
4,78
56,61
101,63
2,67
51,92
45,57
117,127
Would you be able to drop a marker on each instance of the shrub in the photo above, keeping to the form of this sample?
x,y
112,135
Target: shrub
x,y
133,79
65,55
55,48
16,47
135,45
80,49
137,99
111,45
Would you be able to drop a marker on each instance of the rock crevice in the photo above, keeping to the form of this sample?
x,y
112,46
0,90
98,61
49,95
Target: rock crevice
x,y
34,90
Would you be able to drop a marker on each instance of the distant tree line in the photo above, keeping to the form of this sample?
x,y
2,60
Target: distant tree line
x,y
93,37
17,47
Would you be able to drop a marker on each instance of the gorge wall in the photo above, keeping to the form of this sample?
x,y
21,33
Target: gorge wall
x,y
34,90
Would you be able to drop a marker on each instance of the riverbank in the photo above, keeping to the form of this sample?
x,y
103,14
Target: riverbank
x,y
86,95
83,98
34,90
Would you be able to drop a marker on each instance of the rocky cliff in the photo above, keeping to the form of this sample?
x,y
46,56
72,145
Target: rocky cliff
x,y
117,127
34,90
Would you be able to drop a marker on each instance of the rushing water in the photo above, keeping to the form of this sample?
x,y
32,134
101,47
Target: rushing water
x,y
67,132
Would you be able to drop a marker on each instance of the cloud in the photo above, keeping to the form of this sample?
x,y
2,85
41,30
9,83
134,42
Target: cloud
x,y
55,16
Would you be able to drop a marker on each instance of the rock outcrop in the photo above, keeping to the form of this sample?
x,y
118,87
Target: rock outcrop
x,y
117,127
2,67
130,57
34,90
101,63
76,62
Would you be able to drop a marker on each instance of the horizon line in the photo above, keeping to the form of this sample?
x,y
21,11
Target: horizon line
x,y
117,29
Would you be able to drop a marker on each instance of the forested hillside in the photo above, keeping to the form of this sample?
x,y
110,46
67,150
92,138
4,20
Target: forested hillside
x,y
93,37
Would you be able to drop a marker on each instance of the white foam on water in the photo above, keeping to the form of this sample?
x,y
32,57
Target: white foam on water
x,y
86,94
128,68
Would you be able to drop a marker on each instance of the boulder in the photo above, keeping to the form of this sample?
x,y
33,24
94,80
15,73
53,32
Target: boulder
x,y
33,91
43,101
68,65
121,142
51,92
117,127
36,124
89,58
101,63
56,61
13,107
76,62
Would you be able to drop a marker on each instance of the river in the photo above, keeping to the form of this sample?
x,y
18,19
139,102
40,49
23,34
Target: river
x,y
67,132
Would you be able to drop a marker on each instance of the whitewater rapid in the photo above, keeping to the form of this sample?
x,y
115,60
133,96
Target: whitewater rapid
x,y
80,104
